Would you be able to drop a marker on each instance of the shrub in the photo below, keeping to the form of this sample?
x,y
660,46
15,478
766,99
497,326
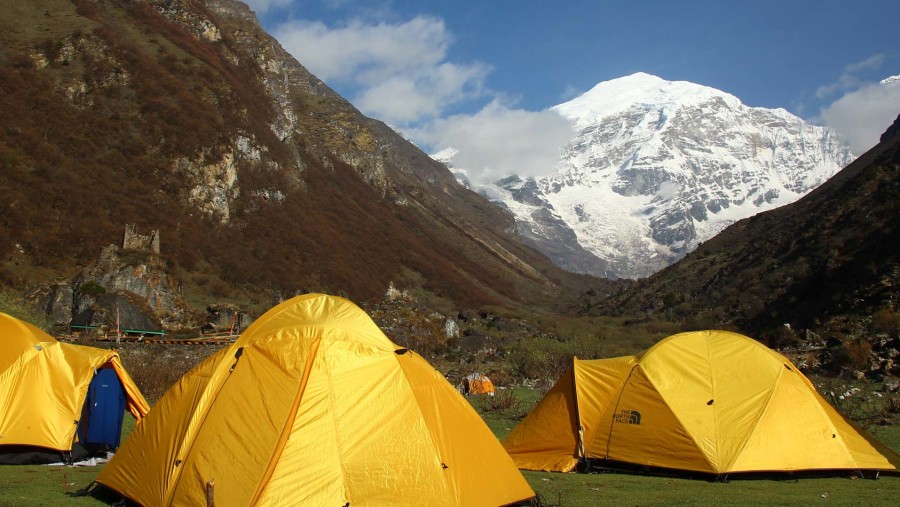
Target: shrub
x,y
503,399
865,403
854,353
541,358
155,368
218,288
92,288
886,321
18,307
779,337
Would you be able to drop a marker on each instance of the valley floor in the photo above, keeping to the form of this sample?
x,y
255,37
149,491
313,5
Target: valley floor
x,y
28,486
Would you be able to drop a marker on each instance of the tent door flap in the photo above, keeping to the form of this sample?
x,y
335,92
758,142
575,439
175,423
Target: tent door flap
x,y
104,410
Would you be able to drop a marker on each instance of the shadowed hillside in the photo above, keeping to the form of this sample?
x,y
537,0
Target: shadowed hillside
x,y
184,116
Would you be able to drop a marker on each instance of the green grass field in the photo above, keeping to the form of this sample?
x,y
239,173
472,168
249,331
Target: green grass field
x,y
27,486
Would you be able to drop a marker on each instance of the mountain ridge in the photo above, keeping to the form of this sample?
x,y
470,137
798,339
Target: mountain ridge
x,y
657,167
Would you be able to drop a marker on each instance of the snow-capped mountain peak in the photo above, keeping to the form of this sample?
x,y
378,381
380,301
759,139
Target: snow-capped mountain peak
x,y
657,167
640,89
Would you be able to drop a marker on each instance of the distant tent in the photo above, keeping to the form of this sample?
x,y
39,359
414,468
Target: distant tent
x,y
314,405
59,400
476,383
708,401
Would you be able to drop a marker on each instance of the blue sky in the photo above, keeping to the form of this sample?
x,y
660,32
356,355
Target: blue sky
x,y
440,71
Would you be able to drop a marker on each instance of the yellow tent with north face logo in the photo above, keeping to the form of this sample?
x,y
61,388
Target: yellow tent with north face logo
x,y
707,401
44,386
314,405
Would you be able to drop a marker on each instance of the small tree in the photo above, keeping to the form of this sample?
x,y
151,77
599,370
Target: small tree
x,y
92,288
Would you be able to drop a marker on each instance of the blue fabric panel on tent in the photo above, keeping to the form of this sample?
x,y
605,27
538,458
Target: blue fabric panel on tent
x,y
104,410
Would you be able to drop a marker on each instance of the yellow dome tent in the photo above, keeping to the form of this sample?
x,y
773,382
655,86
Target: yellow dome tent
x,y
314,405
708,401
43,388
476,383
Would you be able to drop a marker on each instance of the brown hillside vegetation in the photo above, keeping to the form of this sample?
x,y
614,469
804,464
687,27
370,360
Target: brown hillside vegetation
x,y
828,263
121,112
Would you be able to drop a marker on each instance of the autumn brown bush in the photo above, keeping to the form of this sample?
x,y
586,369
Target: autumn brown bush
x,y
155,368
503,399
886,321
854,352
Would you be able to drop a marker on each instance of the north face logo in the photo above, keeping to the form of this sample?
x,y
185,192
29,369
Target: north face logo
x,y
627,417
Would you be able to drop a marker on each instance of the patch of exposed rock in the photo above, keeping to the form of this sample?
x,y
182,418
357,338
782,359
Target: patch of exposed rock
x,y
125,288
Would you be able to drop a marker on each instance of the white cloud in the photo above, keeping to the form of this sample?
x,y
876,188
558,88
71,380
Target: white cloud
x,y
401,70
872,62
570,93
261,6
401,73
365,52
421,94
861,116
499,141
850,78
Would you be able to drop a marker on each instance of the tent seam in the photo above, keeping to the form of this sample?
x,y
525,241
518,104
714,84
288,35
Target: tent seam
x,y
831,425
171,493
580,444
334,425
288,426
675,416
715,407
756,421
428,431
609,433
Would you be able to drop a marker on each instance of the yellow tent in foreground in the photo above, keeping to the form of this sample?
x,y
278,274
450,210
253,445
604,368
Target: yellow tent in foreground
x,y
43,387
314,405
708,401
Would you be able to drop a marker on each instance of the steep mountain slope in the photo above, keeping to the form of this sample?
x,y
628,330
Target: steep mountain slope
x,y
828,262
656,167
186,117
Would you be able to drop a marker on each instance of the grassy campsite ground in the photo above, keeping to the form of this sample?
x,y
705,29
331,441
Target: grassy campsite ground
x,y
50,485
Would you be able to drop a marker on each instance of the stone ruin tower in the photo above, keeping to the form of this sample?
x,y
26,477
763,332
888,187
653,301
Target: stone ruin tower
x,y
135,241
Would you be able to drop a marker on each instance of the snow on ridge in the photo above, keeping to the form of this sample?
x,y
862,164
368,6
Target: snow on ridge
x,y
657,167
639,90
446,155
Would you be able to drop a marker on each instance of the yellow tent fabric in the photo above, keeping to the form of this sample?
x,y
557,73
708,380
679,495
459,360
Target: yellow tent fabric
x,y
476,383
707,401
314,405
44,383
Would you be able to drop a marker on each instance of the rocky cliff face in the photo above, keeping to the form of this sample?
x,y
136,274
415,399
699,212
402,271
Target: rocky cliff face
x,y
132,287
184,116
657,167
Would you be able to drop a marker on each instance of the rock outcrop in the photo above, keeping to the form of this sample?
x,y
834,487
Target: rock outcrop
x,y
131,288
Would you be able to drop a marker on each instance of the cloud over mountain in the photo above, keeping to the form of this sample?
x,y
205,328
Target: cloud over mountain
x,y
401,70
499,141
862,115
